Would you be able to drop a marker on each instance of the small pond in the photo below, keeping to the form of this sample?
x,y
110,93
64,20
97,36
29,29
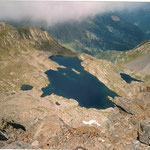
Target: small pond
x,y
74,82
128,78
26,87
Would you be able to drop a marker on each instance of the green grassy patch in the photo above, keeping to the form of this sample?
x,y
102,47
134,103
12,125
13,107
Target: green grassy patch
x,y
147,78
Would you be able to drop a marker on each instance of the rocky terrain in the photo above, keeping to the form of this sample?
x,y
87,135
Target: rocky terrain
x,y
109,74
21,55
28,120
136,60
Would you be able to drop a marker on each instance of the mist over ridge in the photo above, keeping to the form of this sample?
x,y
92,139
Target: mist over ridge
x,y
52,13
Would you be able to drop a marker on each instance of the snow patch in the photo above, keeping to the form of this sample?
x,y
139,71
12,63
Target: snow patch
x,y
92,122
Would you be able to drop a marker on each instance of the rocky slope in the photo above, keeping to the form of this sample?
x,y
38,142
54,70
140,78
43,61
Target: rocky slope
x,y
137,60
28,120
21,59
109,74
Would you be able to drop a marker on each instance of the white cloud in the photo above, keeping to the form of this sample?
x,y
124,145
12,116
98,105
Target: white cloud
x,y
56,12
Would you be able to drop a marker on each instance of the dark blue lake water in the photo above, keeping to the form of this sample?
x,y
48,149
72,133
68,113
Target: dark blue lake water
x,y
128,78
81,86
26,87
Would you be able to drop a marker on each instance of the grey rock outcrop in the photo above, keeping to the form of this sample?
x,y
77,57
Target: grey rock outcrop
x,y
18,145
137,105
127,105
144,131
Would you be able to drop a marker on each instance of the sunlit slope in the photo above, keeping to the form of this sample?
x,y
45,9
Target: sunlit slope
x,y
22,60
137,59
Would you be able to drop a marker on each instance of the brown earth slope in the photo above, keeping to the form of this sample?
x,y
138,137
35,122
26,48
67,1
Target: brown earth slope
x,y
30,121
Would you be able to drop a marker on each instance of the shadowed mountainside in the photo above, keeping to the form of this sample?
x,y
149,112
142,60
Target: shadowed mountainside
x,y
100,33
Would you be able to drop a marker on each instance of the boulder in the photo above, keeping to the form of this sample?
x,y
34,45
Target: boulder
x,y
144,132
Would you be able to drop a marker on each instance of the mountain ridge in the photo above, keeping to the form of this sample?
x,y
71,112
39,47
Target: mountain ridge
x,y
108,31
26,117
97,34
15,47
